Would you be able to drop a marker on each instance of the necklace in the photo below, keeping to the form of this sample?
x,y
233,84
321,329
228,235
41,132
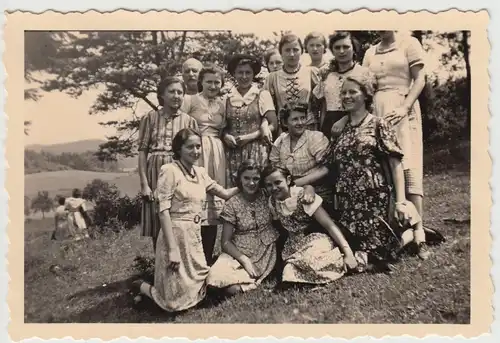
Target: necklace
x,y
294,71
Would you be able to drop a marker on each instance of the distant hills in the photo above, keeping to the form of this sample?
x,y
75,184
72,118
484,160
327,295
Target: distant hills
x,y
74,147
77,155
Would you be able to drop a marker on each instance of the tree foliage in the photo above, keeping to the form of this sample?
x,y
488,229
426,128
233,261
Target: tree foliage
x,y
42,203
124,67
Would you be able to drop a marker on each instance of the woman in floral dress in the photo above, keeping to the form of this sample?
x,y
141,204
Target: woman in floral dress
x,y
314,258
180,265
248,237
344,48
369,190
246,107
156,132
294,83
398,64
208,109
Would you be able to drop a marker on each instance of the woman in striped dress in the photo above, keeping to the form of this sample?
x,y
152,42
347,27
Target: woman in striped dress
x,y
208,109
156,132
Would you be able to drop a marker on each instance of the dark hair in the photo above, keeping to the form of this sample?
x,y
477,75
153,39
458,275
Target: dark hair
x,y
271,168
77,193
289,38
61,200
163,85
180,138
249,164
363,86
270,53
314,35
210,70
335,37
292,107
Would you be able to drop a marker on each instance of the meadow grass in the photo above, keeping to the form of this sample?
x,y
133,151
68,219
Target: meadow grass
x,y
92,284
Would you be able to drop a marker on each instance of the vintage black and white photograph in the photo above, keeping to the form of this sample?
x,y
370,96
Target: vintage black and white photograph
x,y
311,174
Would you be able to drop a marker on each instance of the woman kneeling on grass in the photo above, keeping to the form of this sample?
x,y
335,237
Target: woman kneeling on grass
x,y
248,237
312,258
180,265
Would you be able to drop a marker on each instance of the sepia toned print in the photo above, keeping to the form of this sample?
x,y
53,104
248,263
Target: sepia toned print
x,y
352,171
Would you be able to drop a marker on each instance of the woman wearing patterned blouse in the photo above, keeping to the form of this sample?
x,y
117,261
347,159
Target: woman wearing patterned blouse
x,y
208,109
156,132
248,237
314,258
300,151
180,266
344,48
369,191
294,82
246,107
398,64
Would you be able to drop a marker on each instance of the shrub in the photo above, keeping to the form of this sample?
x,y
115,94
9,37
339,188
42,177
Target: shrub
x,y
112,212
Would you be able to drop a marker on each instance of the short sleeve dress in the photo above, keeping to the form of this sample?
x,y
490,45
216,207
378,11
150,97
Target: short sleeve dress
x,y
312,258
156,131
182,194
364,189
254,236
391,68
295,88
210,114
244,115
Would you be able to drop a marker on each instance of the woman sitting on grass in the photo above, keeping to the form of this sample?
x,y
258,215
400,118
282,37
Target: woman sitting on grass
x,y
180,265
314,258
248,236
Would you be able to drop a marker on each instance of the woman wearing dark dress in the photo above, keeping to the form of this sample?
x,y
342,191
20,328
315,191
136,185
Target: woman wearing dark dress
x,y
370,188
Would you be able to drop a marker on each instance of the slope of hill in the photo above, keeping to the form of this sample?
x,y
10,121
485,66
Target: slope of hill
x,y
35,163
62,182
75,147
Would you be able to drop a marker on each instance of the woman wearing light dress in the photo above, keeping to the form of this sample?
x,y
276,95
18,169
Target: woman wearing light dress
x,y
180,265
208,109
398,64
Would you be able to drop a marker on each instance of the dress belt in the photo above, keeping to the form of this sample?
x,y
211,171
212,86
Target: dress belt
x,y
186,217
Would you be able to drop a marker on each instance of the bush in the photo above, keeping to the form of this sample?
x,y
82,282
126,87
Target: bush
x,y
445,114
112,212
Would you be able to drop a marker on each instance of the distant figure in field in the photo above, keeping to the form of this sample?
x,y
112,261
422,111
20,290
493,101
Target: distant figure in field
x,y
64,228
77,208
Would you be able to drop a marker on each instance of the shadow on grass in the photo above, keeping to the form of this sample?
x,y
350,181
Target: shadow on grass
x,y
114,303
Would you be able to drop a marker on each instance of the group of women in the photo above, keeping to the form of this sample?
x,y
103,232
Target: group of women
x,y
314,175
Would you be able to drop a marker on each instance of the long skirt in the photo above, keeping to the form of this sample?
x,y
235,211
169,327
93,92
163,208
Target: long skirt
x,y
150,218
312,259
227,271
214,161
179,290
409,134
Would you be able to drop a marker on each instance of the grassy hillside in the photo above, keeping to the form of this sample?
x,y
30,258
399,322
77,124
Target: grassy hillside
x,y
62,182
